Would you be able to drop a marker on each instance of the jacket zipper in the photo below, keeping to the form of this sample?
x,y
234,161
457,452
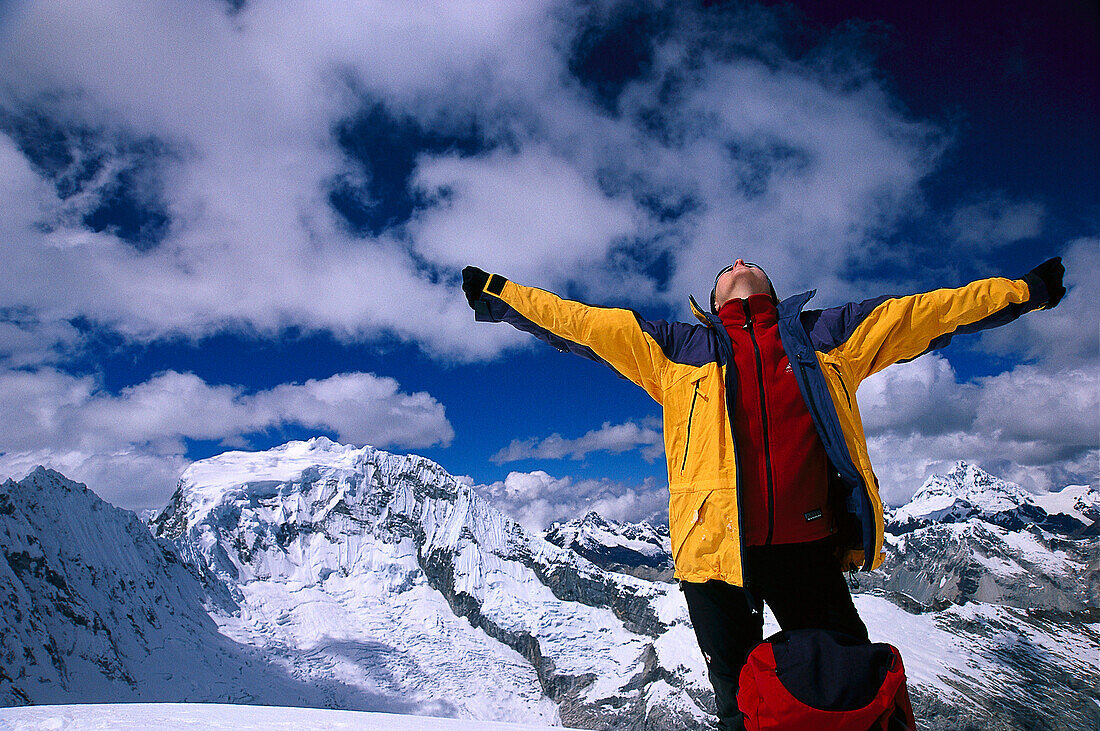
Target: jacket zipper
x,y
764,422
840,378
691,413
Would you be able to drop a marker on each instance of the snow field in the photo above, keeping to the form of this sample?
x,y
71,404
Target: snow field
x,y
929,653
223,717
357,632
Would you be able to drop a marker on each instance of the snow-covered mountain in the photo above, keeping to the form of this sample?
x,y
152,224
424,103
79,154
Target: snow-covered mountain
x,y
969,492
323,575
638,549
970,536
94,608
388,574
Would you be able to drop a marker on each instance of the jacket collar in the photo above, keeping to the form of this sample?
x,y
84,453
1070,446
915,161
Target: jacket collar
x,y
760,307
788,308
792,306
702,315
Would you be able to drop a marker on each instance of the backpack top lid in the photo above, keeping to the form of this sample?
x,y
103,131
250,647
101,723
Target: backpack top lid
x,y
830,670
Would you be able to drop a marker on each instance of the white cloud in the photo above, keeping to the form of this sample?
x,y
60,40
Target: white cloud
x,y
1027,404
613,438
996,221
48,407
537,499
831,166
532,215
246,104
920,396
57,419
1038,427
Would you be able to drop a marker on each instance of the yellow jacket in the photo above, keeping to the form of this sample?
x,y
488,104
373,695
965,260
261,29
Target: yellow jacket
x,y
683,367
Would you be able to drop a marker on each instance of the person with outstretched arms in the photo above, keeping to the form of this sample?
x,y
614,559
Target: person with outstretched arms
x,y
771,492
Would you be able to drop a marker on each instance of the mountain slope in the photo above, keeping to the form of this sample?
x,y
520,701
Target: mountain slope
x,y
970,536
992,595
94,608
372,567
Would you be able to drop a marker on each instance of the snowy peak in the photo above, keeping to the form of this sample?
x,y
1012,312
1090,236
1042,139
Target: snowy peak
x,y
397,555
969,484
285,475
970,536
638,549
968,492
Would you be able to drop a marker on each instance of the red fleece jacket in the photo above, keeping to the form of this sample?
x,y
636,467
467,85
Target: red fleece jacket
x,y
783,483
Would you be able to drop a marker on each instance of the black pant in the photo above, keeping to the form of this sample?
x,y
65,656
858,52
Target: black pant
x,y
804,587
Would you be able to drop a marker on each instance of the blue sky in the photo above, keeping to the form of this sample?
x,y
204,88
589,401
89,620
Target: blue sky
x,y
228,225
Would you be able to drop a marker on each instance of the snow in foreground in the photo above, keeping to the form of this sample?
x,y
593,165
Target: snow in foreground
x,y
233,718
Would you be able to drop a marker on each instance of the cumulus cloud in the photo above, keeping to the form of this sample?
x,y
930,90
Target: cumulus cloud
x,y
805,174
71,423
533,215
920,396
233,115
1038,427
1028,404
50,407
613,438
537,499
246,159
996,221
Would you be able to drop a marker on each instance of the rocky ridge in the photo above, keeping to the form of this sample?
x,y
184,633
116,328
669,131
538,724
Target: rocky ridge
x,y
1003,584
95,608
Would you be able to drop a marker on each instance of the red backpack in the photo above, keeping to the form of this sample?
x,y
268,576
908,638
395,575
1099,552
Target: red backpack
x,y
825,681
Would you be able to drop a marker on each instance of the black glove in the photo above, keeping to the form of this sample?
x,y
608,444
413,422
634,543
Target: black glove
x,y
1050,274
473,284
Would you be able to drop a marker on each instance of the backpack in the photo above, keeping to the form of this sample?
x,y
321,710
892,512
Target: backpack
x,y
825,681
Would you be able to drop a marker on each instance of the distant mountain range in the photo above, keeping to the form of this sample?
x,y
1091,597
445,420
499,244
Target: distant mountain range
x,y
638,549
322,575
968,492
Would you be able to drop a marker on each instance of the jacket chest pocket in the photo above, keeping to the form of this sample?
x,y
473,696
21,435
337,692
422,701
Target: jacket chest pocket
x,y
697,395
